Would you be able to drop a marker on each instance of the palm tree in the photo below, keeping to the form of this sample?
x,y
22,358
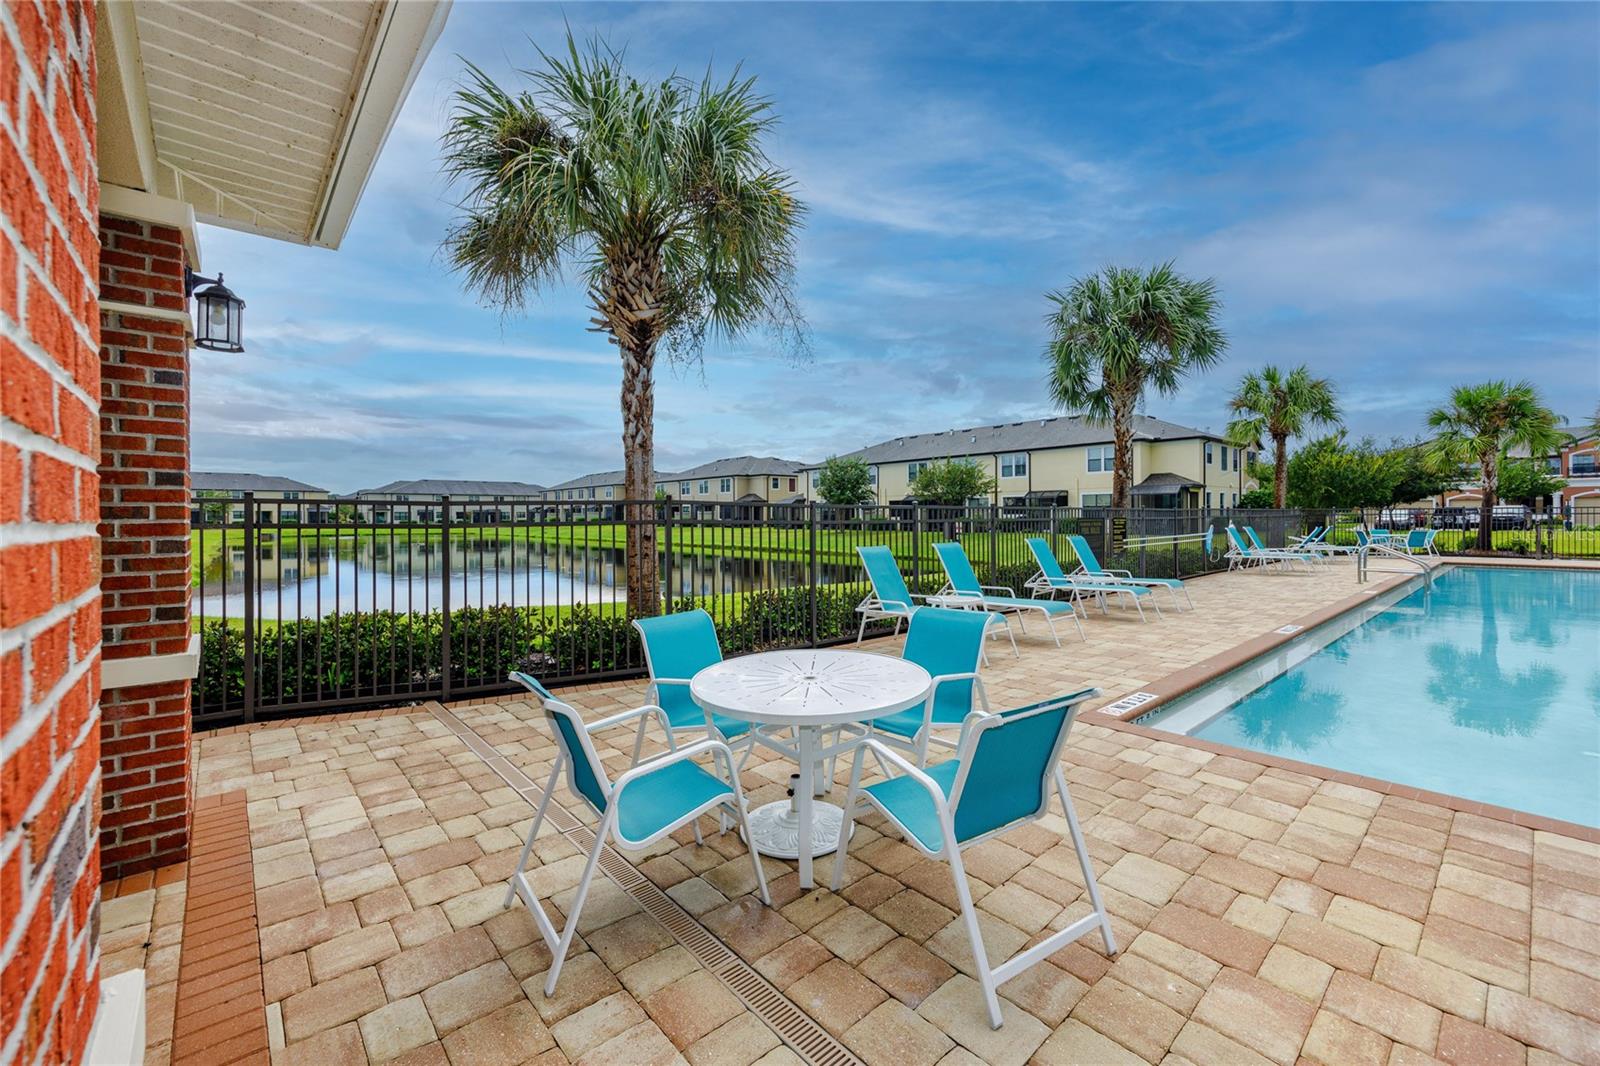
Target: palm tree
x,y
1273,404
1118,332
657,194
1484,422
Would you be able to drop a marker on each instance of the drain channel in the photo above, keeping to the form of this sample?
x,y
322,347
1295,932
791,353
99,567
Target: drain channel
x,y
792,1025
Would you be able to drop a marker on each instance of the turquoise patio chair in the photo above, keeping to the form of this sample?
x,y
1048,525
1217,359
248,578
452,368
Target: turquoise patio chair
x,y
644,804
890,598
962,589
949,645
1242,554
1001,777
1089,564
1420,542
676,647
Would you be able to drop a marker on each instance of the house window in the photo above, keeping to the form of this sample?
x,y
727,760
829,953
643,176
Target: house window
x,y
1208,494
872,476
1236,499
814,476
591,494
793,484
1210,454
1224,459
1102,457
1014,464
913,469
608,492
725,485
1097,499
291,495
1583,465
1236,465
705,488
776,483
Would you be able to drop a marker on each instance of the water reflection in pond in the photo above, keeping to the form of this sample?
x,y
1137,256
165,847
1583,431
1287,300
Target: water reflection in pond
x,y
310,577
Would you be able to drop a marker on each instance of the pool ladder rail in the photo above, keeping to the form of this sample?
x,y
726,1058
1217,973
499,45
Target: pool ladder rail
x,y
1364,565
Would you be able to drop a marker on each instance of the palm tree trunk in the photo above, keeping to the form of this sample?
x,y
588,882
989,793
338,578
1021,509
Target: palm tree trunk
x,y
638,481
1280,472
629,305
1490,483
1122,453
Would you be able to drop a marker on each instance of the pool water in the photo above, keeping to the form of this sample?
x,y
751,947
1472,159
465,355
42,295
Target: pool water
x,y
1487,687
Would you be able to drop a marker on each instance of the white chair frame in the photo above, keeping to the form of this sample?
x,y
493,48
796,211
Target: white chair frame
x,y
990,978
559,941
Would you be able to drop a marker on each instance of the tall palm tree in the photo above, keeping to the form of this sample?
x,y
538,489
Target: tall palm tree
x,y
1272,404
1118,332
658,195
1481,424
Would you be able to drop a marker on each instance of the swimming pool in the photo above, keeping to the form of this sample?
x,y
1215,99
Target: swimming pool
x,y
1487,687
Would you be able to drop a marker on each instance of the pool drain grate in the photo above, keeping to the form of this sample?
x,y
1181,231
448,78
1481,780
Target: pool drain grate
x,y
792,1025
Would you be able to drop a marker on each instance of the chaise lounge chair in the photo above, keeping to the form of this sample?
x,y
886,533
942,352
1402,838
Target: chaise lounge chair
x,y
1089,564
890,598
963,590
1051,579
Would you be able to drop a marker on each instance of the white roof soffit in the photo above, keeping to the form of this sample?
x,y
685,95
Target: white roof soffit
x,y
265,115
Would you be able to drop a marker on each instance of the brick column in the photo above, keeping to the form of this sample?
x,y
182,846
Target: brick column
x,y
144,529
49,564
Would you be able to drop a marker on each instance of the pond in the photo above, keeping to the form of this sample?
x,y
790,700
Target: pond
x,y
311,577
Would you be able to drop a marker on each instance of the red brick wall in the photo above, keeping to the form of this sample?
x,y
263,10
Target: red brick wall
x,y
144,526
49,554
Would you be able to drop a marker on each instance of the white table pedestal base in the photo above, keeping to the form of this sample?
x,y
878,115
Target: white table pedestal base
x,y
776,828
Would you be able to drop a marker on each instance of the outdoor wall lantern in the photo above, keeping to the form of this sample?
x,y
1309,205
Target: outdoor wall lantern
x,y
219,324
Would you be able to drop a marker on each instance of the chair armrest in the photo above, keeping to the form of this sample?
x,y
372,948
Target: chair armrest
x,y
1007,589
669,680
625,716
906,767
1118,573
699,747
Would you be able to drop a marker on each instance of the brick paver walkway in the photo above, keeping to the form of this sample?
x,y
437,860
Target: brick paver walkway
x,y
1265,915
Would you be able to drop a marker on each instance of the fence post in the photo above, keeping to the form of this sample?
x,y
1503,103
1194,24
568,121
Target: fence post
x,y
444,601
666,552
994,544
249,605
816,572
916,545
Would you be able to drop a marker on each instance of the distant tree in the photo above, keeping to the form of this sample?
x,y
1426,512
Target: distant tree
x,y
1527,480
1119,332
658,196
1260,496
214,505
1420,477
1272,405
344,514
1329,473
845,481
1480,425
951,481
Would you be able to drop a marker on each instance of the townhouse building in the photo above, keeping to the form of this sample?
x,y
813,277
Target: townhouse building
x,y
470,501
217,496
1066,461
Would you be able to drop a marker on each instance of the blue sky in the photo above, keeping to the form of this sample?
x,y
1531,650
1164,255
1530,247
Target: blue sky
x,y
1403,196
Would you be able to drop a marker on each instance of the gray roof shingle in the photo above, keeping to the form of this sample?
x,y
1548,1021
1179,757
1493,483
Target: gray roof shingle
x,y
1064,431
229,481
450,487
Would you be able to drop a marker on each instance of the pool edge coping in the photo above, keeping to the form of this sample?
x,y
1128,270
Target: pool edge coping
x,y
1182,682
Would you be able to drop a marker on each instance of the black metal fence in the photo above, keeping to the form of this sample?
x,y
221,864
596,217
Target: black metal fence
x,y
303,608
1570,533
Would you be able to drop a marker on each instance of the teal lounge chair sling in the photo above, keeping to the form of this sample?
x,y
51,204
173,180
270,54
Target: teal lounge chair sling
x,y
962,589
644,804
1002,776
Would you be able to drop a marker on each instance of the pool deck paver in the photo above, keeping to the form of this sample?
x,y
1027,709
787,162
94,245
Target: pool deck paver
x,y
1265,914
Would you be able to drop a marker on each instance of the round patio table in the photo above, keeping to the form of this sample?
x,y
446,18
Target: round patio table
x,y
811,692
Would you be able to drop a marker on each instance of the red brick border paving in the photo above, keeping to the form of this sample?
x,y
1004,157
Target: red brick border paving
x,y
221,1015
